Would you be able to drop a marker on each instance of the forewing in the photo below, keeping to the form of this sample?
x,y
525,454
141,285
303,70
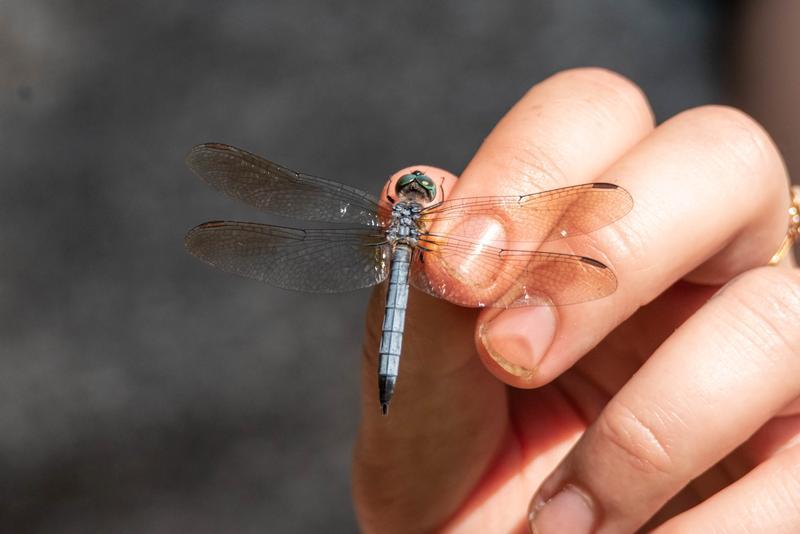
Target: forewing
x,y
536,217
317,261
475,275
276,189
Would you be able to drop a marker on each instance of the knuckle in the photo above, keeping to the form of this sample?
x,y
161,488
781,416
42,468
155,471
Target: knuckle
x,y
622,247
772,292
604,78
634,443
609,85
766,308
627,241
735,135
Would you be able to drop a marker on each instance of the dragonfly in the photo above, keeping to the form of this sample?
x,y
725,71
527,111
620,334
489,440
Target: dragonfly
x,y
413,237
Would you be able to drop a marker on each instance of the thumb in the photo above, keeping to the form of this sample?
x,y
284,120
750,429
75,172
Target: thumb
x,y
446,421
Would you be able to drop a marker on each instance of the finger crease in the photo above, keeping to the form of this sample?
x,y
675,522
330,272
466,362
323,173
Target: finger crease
x,y
637,442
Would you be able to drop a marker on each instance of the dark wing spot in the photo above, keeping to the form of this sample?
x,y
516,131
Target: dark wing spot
x,y
604,185
593,262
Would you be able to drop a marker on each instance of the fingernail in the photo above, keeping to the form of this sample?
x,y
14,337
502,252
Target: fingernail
x,y
518,338
481,231
570,510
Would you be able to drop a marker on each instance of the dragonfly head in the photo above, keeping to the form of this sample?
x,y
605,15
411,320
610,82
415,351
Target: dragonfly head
x,y
416,186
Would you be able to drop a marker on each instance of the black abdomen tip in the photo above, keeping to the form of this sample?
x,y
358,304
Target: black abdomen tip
x,y
385,391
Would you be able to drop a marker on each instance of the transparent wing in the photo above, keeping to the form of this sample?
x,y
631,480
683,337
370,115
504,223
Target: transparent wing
x,y
541,216
476,275
317,261
276,189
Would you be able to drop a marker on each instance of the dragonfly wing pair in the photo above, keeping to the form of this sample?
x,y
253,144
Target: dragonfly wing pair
x,y
356,254
316,261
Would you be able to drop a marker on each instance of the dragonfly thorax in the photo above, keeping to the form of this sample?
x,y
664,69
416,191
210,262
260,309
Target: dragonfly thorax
x,y
403,228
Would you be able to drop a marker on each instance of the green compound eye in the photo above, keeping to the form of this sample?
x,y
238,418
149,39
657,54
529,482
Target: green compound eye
x,y
405,180
413,182
427,183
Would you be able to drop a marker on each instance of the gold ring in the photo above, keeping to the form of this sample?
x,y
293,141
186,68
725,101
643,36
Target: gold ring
x,y
794,227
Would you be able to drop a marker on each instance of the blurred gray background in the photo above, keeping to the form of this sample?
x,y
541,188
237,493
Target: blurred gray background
x,y
141,391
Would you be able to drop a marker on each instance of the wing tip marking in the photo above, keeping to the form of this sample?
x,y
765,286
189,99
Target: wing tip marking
x,y
593,262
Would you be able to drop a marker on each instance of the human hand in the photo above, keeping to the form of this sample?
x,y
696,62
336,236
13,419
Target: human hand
x,y
657,404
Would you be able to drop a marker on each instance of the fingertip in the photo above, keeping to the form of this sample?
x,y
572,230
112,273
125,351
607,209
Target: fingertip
x,y
445,181
513,343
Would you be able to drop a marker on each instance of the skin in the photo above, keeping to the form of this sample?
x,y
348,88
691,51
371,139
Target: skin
x,y
669,404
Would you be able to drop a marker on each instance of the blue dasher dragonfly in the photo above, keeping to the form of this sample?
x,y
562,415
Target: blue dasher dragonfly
x,y
413,237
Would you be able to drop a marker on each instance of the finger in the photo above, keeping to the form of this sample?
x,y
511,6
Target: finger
x,y
440,377
698,397
567,130
765,500
710,193
444,396
782,432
